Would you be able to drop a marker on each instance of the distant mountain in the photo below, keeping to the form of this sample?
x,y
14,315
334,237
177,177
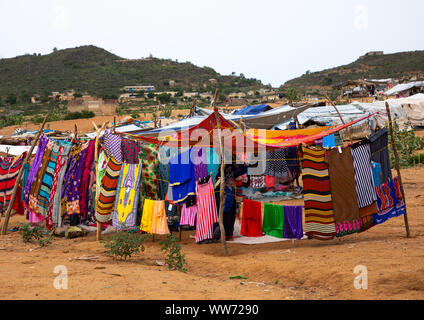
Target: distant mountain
x,y
97,71
371,66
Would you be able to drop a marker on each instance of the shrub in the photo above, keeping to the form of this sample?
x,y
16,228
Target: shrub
x,y
174,259
124,244
32,234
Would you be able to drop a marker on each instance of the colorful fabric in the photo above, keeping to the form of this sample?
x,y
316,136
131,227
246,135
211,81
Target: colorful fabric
x,y
380,153
25,174
251,223
293,227
181,177
147,216
273,222
112,146
188,215
376,174
329,141
343,191
213,160
159,221
9,170
365,189
386,202
107,194
206,211
85,177
101,170
319,214
127,195
400,202
276,165
149,160
257,182
163,172
130,151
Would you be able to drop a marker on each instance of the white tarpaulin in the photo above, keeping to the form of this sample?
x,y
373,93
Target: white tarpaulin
x,y
403,87
16,150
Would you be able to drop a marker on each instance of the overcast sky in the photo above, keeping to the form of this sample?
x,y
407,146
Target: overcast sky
x,y
270,40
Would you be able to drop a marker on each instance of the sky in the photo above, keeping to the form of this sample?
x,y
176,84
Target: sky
x,y
270,40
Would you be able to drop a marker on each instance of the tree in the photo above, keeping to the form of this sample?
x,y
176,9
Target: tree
x,y
292,94
150,95
24,97
11,99
54,49
164,97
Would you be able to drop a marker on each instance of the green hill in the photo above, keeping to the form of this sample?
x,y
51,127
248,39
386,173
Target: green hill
x,y
397,65
99,72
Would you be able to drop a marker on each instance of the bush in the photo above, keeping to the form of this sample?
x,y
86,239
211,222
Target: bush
x,y
32,234
124,244
174,259
79,115
407,143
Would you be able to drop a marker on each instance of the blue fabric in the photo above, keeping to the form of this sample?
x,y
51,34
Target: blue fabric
x,y
329,141
229,199
376,173
181,176
252,110
213,161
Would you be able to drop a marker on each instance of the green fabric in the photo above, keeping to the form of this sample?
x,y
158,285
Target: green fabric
x,y
273,222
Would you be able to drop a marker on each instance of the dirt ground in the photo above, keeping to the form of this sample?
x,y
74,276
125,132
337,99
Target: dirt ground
x,y
307,269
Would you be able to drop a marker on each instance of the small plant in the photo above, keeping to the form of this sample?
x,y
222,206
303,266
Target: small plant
x,y
174,259
124,244
29,233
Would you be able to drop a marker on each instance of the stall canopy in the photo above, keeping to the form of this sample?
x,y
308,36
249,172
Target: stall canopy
x,y
252,110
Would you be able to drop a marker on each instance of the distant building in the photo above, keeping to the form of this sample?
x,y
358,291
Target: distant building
x,y
99,106
138,88
373,53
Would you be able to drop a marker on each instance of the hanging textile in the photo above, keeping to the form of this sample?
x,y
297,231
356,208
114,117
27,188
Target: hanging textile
x,y
101,170
319,215
172,215
213,160
25,174
273,222
276,165
188,215
293,228
163,172
206,211
34,167
251,223
127,195
380,153
91,217
181,177
147,216
159,222
365,189
386,201
376,174
257,182
149,159
130,151
112,145
106,201
400,202
9,170
329,141
343,191
85,178
199,161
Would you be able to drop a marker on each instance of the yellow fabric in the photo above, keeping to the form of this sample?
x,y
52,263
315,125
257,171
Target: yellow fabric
x,y
146,219
124,211
159,222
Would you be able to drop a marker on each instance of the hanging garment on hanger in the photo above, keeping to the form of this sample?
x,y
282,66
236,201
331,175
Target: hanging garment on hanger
x,y
319,215
188,215
181,177
159,221
147,216
206,211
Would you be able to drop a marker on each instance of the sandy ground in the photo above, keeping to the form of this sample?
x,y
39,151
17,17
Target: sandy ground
x,y
307,269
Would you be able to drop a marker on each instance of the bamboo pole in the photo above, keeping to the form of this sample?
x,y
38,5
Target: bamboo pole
x,y
395,152
222,186
340,116
21,171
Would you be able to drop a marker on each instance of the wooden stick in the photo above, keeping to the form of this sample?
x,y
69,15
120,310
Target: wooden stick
x,y
221,193
395,152
340,116
21,171
192,108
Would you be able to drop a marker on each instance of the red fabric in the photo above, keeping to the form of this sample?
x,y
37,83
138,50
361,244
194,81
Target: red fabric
x,y
251,222
18,204
269,181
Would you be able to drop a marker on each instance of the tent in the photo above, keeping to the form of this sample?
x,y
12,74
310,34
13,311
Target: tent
x,y
404,87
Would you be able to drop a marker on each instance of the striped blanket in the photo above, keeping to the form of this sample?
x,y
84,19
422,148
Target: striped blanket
x,y
9,170
106,201
319,215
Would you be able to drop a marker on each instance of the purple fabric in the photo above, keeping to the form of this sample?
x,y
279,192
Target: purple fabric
x,y
293,222
199,160
74,190
35,166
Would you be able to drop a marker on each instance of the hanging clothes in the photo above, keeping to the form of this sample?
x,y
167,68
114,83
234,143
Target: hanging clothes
x,y
149,159
380,153
163,172
386,201
329,141
188,215
293,228
365,189
147,216
257,182
9,170
112,145
319,214
159,222
276,165
85,178
400,201
109,184
206,211
101,170
181,177
273,222
343,191
198,156
127,195
251,223
213,162
172,215
376,173
130,150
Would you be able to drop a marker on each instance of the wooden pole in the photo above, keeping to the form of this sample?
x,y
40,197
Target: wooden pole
x,y
21,171
395,152
340,116
222,186
192,108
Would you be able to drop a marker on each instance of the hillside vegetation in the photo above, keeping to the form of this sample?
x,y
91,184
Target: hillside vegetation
x,y
99,72
397,65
